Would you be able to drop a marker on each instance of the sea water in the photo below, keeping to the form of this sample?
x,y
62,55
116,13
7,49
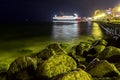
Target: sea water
x,y
29,38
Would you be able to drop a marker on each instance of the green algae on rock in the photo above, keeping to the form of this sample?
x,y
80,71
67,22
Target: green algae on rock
x,y
3,70
57,48
104,69
23,68
56,65
51,50
111,53
45,54
99,49
77,74
102,42
82,47
4,67
21,63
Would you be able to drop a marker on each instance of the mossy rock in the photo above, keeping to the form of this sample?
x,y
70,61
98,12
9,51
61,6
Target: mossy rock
x,y
57,48
102,42
3,70
111,53
98,49
104,78
20,66
66,47
92,64
45,54
4,67
56,65
52,49
104,69
22,62
78,74
82,47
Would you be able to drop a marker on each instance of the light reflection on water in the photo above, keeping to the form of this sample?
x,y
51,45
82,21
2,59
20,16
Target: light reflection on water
x,y
65,31
96,31
61,31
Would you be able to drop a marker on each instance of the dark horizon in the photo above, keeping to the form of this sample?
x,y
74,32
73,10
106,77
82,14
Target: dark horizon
x,y
39,11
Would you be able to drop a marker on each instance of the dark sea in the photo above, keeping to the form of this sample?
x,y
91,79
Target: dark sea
x,y
49,30
18,39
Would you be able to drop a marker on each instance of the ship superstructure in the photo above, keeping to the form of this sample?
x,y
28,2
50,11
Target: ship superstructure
x,y
66,18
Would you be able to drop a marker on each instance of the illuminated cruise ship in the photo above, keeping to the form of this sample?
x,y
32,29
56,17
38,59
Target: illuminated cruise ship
x,y
70,19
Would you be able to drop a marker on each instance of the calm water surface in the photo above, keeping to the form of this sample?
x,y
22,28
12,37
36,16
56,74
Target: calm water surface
x,y
25,39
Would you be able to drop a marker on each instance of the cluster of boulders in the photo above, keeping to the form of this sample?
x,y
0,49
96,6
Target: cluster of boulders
x,y
88,60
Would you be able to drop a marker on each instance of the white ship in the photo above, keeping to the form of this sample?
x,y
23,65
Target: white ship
x,y
70,19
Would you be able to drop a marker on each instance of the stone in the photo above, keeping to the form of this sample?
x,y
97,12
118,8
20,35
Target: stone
x,y
98,49
57,48
45,54
77,74
102,42
22,68
110,53
52,49
82,47
56,65
104,69
4,67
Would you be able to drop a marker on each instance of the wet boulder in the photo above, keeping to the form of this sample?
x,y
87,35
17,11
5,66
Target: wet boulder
x,y
111,53
23,68
77,74
57,48
98,49
105,78
45,54
82,48
3,67
3,70
56,65
52,49
102,42
65,46
104,69
92,64
75,56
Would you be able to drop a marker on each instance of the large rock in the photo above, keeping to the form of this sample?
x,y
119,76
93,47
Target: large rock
x,y
3,70
105,78
102,42
111,53
4,67
98,49
56,65
78,74
77,57
45,54
83,47
52,49
23,68
57,48
104,69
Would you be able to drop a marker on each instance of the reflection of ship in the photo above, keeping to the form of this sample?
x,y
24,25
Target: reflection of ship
x,y
70,19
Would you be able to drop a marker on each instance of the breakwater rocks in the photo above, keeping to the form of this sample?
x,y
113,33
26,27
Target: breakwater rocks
x,y
113,29
88,60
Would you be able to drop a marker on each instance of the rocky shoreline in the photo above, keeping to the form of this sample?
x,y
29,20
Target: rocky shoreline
x,y
88,60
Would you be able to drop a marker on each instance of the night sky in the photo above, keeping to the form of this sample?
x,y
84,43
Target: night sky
x,y
44,10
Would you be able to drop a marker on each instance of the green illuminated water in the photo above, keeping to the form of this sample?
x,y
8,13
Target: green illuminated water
x,y
25,39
